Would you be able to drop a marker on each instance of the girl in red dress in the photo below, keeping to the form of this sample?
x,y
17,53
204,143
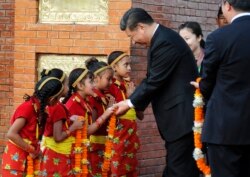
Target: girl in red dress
x,y
80,87
57,139
103,75
27,126
126,141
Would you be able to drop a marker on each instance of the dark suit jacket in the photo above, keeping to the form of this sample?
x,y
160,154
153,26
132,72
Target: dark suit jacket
x,y
171,66
226,84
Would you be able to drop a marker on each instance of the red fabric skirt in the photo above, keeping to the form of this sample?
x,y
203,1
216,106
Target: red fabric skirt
x,y
95,157
126,145
14,158
14,161
12,173
55,164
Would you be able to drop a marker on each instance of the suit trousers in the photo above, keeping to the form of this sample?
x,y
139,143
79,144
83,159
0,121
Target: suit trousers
x,y
229,160
179,159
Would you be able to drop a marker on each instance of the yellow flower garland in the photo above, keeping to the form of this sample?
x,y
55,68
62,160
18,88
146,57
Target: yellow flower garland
x,y
30,167
198,104
108,146
81,150
33,165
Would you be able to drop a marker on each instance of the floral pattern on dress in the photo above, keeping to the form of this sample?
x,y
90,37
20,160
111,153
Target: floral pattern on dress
x,y
52,163
126,145
14,158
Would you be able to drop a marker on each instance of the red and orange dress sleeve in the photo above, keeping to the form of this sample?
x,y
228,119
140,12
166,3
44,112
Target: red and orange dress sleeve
x,y
99,103
58,151
14,157
126,141
56,113
78,106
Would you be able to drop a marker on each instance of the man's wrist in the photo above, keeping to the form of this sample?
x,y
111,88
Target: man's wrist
x,y
130,104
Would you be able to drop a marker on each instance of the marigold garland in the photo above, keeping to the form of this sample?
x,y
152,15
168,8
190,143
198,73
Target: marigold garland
x,y
198,155
33,165
108,146
85,143
30,167
36,164
81,150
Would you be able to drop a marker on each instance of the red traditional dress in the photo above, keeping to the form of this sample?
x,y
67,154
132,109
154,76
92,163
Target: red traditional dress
x,y
126,141
56,155
76,105
99,103
14,159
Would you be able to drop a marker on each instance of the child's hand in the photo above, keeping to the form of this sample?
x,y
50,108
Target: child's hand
x,y
111,101
73,117
77,124
109,112
130,88
36,153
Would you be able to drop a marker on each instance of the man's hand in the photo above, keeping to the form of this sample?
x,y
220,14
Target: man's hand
x,y
122,107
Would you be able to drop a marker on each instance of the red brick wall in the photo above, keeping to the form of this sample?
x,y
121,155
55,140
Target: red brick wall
x,y
172,13
32,38
6,67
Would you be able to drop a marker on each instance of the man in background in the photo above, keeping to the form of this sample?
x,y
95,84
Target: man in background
x,y
225,84
221,20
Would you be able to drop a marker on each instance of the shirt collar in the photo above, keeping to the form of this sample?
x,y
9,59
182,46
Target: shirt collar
x,y
240,15
155,28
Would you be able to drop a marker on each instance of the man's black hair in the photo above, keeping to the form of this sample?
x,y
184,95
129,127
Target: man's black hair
x,y
133,16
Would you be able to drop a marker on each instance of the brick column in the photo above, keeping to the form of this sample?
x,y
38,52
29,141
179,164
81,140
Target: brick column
x,y
6,67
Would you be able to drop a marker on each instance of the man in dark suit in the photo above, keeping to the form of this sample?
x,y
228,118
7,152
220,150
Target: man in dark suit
x,y
171,66
225,84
